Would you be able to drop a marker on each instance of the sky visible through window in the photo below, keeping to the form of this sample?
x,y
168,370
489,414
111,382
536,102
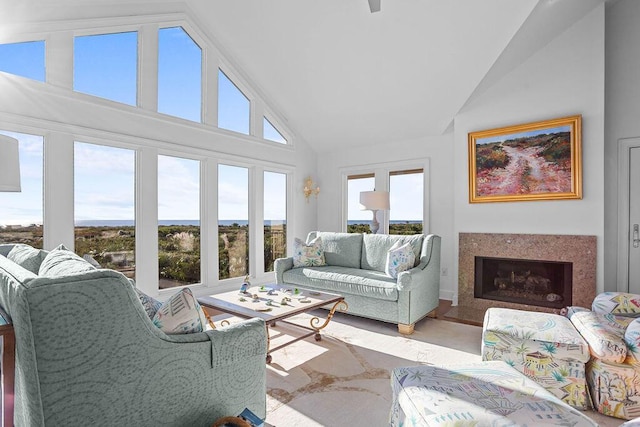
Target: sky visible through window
x,y
106,66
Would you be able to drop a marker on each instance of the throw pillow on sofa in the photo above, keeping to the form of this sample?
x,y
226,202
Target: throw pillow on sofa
x,y
400,257
150,304
63,262
180,314
27,257
308,255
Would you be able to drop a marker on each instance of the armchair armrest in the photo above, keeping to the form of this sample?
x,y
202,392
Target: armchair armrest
x,y
632,338
618,303
281,265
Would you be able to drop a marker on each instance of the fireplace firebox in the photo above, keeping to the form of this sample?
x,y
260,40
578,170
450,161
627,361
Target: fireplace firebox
x,y
522,281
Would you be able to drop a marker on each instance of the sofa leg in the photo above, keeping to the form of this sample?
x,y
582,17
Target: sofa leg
x,y
406,329
433,313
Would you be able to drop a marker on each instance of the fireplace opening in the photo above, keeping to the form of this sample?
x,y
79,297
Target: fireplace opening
x,y
531,282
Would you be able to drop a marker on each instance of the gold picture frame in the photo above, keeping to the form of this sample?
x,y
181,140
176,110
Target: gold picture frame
x,y
533,161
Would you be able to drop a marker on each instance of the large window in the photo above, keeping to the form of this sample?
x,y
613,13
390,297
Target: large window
x,y
179,74
178,221
21,214
406,193
104,201
106,65
358,221
275,218
23,59
233,221
234,109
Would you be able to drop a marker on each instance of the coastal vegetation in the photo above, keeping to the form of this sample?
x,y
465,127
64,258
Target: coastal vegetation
x,y
178,247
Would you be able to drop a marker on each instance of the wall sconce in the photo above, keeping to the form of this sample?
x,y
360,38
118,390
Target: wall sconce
x,y
310,188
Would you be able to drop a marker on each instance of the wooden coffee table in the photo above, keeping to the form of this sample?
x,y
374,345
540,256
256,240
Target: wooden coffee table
x,y
274,303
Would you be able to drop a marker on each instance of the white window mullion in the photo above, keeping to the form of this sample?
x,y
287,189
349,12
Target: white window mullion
x,y
58,190
147,271
59,59
256,206
148,67
209,222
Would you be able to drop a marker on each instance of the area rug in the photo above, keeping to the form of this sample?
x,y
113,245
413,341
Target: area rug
x,y
343,380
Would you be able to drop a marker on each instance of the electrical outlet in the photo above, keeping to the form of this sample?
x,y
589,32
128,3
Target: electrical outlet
x,y
444,271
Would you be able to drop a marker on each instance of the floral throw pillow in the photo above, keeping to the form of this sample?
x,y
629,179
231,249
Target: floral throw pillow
x,y
308,255
400,257
180,314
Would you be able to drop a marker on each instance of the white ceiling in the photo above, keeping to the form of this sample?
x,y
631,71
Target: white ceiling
x,y
340,75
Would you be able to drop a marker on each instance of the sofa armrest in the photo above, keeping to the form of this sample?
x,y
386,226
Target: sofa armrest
x,y
411,279
605,339
281,265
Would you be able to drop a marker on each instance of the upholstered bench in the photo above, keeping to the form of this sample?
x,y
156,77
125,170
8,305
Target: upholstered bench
x,y
543,346
484,393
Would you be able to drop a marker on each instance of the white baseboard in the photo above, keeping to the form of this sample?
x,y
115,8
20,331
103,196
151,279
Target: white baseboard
x,y
447,295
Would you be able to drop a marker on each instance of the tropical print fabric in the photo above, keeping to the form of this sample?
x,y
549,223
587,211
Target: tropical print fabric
x,y
612,331
543,346
308,255
618,303
478,394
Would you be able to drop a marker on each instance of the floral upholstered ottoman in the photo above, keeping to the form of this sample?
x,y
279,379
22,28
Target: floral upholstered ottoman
x,y
545,347
479,394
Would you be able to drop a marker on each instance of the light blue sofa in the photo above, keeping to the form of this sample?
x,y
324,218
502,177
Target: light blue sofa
x,y
355,269
88,354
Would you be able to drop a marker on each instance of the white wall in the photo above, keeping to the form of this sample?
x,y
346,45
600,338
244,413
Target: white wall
x,y
564,78
622,110
434,151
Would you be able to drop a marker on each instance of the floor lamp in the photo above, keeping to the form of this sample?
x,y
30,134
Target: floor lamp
x,y
374,201
9,164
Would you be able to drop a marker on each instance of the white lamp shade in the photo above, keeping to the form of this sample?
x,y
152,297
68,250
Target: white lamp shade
x,y
9,164
374,200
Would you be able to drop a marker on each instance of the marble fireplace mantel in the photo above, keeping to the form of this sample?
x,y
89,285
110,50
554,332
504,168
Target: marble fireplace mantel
x,y
580,250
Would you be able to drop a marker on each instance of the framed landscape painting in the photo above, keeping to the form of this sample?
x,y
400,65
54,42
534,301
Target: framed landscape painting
x,y
533,161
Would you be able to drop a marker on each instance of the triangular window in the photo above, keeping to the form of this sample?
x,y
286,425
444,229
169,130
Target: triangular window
x,y
234,108
23,59
106,65
271,133
179,74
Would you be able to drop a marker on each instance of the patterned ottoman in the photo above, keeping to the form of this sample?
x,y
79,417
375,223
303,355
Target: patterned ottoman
x,y
479,394
545,347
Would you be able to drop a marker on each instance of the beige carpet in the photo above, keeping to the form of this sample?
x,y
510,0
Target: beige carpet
x,y
343,380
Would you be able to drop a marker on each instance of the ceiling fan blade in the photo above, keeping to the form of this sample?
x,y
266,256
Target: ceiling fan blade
x,y
374,5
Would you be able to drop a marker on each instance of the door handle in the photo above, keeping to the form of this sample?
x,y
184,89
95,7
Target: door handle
x,y
636,236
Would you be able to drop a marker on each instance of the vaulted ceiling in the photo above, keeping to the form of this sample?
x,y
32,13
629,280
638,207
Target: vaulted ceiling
x,y
340,75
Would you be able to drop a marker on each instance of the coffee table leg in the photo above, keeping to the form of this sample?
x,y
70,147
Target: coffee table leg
x,y
342,305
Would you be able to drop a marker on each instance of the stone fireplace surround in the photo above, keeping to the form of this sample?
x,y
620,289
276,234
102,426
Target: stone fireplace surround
x,y
579,250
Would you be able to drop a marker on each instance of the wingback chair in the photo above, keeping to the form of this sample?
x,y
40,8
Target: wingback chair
x,y
612,330
87,353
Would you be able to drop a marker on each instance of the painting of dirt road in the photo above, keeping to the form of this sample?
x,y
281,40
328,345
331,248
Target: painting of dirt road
x,y
524,162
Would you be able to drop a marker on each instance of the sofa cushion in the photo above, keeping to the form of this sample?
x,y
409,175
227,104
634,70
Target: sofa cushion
x,y
180,314
399,258
63,262
344,280
376,246
27,257
341,249
307,255
603,333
